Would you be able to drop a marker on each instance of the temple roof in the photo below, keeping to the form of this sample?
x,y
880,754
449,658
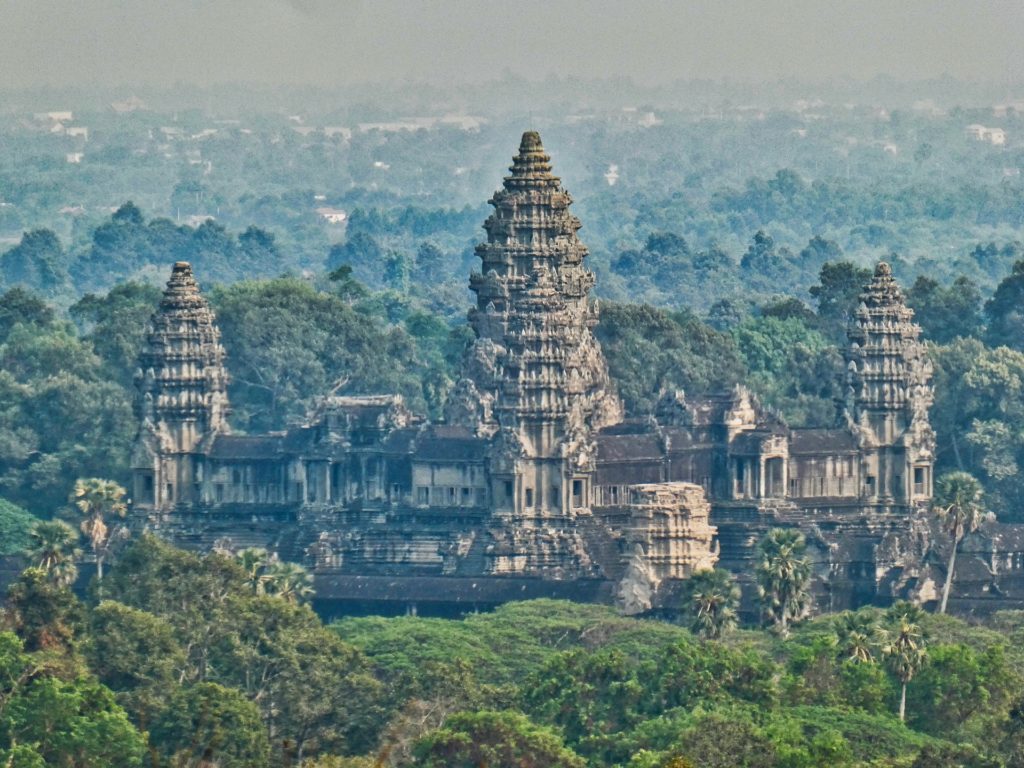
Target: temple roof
x,y
182,290
883,290
531,165
246,447
628,447
444,442
803,441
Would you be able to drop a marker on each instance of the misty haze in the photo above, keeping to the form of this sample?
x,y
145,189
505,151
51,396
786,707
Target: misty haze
x,y
511,385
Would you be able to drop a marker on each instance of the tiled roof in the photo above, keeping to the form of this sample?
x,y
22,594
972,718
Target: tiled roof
x,y
628,447
246,447
821,441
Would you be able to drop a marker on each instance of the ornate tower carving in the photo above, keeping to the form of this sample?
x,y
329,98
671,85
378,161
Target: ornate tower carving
x,y
888,395
536,368
182,391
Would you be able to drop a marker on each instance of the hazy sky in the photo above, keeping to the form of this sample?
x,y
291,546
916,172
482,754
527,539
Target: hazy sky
x,y
324,42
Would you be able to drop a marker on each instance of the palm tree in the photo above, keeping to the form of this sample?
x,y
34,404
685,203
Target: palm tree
x,y
289,581
98,499
783,574
254,561
711,600
958,505
905,655
904,610
53,548
859,636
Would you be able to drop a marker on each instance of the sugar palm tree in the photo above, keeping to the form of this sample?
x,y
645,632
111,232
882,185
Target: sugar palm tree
x,y
958,505
783,574
254,561
859,636
289,581
53,549
905,654
98,500
903,610
711,600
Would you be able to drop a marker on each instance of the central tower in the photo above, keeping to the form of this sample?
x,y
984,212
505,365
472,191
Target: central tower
x,y
536,380
888,395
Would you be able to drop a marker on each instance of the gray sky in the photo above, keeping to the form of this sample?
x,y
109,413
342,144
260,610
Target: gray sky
x,y
324,42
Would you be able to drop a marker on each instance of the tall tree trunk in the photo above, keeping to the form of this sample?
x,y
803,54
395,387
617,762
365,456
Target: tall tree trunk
x,y
903,703
956,453
949,575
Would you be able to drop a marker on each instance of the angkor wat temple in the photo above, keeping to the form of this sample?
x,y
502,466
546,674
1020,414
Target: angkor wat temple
x,y
535,483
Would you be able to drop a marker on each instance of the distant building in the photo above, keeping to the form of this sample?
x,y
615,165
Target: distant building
x,y
462,122
535,484
994,136
131,104
59,116
332,215
331,131
648,120
1015,106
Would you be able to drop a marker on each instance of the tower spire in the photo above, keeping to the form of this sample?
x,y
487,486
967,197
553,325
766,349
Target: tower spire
x,y
181,380
889,393
536,366
182,394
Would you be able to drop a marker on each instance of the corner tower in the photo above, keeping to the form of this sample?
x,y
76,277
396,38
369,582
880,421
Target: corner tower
x,y
888,395
182,393
536,379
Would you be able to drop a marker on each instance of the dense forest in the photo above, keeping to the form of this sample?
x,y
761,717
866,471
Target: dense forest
x,y
730,242
177,659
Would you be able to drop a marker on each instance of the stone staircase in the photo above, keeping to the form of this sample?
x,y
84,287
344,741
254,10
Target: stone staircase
x,y
603,546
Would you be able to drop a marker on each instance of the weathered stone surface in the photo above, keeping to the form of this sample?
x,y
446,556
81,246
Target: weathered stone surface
x,y
182,391
535,484
888,396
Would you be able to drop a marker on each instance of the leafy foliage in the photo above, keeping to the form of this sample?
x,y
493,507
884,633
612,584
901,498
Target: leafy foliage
x,y
651,350
498,739
783,574
711,599
184,659
16,527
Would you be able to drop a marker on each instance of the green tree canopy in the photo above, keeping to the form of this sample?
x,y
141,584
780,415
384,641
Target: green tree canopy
x,y
946,313
650,350
837,294
494,739
37,263
711,599
210,724
783,574
16,526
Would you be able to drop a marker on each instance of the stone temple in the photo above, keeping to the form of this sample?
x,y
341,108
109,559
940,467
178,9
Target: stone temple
x,y
535,484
